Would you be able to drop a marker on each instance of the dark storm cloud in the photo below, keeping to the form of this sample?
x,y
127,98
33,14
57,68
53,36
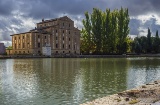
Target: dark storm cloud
x,y
7,29
6,7
135,24
152,24
48,8
38,9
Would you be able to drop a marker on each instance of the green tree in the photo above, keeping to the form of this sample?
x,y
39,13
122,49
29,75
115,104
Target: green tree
x,y
123,29
149,43
96,20
105,32
156,43
86,42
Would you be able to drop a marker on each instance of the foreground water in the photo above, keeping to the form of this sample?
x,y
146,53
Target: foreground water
x,y
53,81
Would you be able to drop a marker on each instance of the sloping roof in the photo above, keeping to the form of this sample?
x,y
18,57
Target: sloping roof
x,y
61,18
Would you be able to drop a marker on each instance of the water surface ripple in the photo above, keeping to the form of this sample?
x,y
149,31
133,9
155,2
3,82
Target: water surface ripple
x,y
58,81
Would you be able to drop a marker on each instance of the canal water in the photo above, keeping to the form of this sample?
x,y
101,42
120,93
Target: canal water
x,y
71,81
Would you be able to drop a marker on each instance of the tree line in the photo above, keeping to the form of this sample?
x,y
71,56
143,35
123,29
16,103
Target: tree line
x,y
146,44
105,32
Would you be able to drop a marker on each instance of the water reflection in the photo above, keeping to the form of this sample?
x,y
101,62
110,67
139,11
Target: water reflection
x,y
71,81
143,70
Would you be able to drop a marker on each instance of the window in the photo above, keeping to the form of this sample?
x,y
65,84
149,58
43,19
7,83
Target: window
x,y
23,52
28,51
69,46
56,52
28,44
63,31
23,37
19,52
45,37
63,24
39,52
63,45
69,39
69,32
56,45
69,25
56,31
56,38
63,51
15,46
69,52
38,36
63,38
23,45
19,37
15,38
39,45
75,52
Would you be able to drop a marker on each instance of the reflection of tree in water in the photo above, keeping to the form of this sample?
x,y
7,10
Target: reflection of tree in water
x,y
74,81
104,76
143,70
54,78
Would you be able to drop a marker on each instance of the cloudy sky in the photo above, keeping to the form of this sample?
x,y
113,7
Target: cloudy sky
x,y
18,16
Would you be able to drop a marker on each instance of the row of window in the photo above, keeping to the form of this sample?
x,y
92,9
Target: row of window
x,y
27,52
66,52
22,52
45,37
63,32
63,39
53,23
23,45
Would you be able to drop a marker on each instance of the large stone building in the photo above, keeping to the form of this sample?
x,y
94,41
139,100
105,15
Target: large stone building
x,y
59,33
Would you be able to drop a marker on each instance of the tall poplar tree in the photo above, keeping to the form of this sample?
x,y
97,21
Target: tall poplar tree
x,y
96,20
149,43
106,32
123,30
86,34
156,43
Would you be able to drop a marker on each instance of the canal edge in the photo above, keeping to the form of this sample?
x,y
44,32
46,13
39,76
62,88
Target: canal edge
x,y
147,94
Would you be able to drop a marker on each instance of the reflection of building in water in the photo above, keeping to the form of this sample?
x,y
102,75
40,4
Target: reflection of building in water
x,y
47,65
6,71
64,68
142,71
6,81
26,79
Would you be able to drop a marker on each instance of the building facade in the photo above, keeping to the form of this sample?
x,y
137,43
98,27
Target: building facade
x,y
2,49
59,33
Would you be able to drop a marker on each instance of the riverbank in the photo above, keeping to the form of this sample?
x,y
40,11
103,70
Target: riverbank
x,y
148,94
78,56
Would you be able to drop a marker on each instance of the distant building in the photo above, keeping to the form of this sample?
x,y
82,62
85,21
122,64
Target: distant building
x,y
2,49
59,33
